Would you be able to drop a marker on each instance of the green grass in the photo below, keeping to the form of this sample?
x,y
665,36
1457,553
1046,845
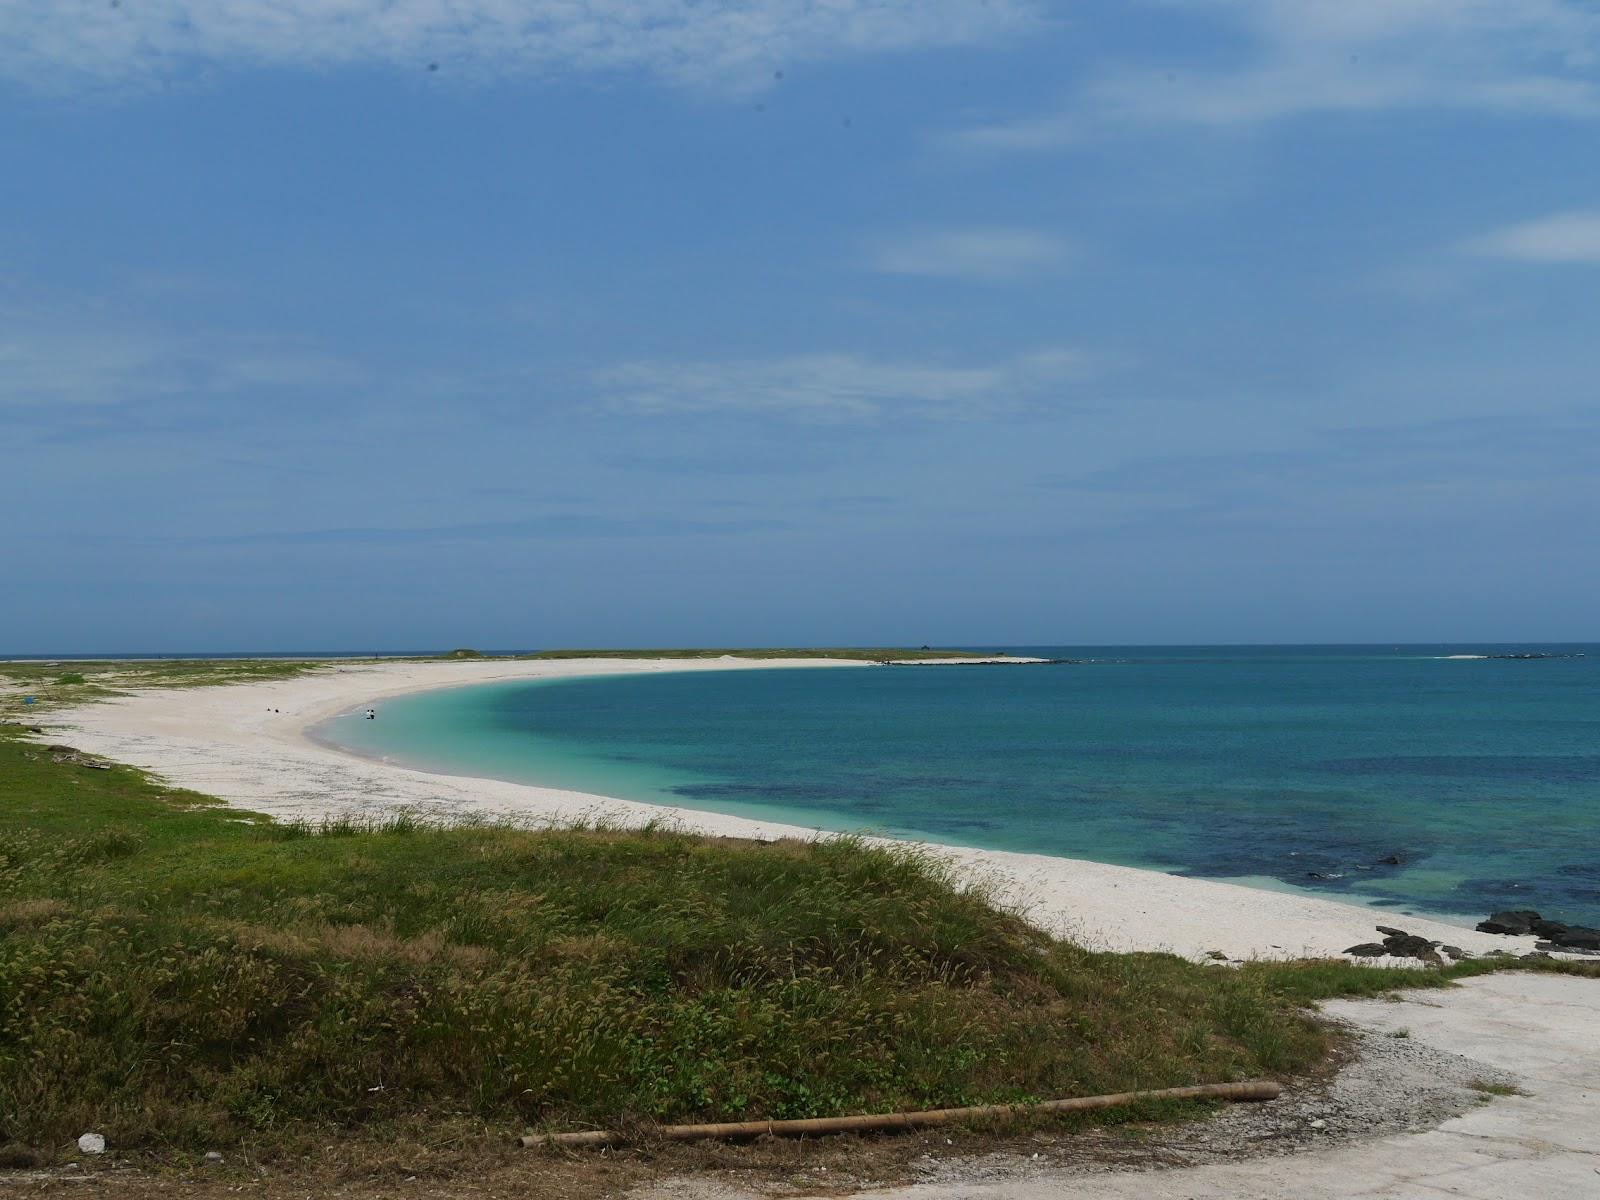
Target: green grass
x,y
1491,1088
183,977
175,974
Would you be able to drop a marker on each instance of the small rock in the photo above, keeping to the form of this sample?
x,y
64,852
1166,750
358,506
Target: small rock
x,y
92,1143
1319,1124
1390,860
1391,931
1454,953
213,1159
1408,945
1217,954
1368,950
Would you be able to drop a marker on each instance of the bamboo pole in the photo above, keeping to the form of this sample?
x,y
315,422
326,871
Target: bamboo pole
x,y
873,1122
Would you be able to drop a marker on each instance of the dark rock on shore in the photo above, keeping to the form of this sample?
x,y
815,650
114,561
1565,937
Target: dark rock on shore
x,y
1512,922
1409,945
1573,937
1397,943
1548,946
1557,934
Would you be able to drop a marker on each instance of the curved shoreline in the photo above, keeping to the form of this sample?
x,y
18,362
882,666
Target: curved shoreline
x,y
248,744
840,826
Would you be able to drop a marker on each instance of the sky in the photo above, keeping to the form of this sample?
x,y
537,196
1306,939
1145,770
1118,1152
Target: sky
x,y
358,324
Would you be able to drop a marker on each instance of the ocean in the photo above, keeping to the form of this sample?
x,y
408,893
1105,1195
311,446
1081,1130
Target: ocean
x,y
1412,778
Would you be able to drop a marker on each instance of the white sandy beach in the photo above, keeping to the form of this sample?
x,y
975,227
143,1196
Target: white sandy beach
x,y
246,743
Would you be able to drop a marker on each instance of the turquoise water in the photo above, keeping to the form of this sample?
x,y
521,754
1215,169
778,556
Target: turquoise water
x,y
1305,765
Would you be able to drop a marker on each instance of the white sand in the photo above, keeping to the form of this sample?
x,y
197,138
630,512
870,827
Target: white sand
x,y
246,744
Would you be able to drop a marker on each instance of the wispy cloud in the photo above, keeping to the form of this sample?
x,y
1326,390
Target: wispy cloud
x,y
48,366
1569,237
840,387
1429,471
56,44
983,255
1306,57
561,526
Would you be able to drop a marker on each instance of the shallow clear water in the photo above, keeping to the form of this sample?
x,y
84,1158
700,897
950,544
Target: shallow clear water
x,y
1304,765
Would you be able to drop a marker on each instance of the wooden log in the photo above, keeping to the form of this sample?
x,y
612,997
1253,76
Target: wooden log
x,y
900,1121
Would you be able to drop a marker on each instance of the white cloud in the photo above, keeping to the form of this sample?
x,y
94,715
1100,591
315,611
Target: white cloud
x,y
1571,237
1304,57
989,255
50,368
45,365
839,387
58,44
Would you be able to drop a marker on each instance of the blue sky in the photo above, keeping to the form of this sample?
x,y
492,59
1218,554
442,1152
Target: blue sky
x,y
411,323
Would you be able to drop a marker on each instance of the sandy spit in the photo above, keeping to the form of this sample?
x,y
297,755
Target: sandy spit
x,y
246,744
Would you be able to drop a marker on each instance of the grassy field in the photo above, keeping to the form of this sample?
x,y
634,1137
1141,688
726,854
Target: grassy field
x,y
184,977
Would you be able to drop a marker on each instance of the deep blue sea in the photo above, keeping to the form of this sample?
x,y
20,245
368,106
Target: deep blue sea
x,y
1309,767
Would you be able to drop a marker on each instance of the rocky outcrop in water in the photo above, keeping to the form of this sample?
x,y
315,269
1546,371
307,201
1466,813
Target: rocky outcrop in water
x,y
1542,654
